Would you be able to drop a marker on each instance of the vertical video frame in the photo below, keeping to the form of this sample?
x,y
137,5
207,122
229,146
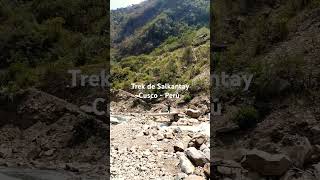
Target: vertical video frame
x,y
160,90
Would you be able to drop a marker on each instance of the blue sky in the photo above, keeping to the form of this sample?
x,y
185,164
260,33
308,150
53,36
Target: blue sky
x,y
114,4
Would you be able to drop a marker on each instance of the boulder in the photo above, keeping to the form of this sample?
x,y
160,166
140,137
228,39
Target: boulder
x,y
168,135
186,165
197,141
265,163
197,157
299,150
193,113
178,146
203,147
206,150
200,140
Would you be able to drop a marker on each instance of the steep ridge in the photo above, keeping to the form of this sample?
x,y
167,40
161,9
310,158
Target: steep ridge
x,y
160,41
141,28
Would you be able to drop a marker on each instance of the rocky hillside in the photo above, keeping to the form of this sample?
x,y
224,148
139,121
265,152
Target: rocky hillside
x,y
45,132
269,131
42,124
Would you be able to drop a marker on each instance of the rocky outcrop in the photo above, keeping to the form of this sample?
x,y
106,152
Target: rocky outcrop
x,y
265,163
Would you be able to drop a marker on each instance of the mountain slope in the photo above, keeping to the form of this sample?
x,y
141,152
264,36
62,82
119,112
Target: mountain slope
x,y
141,28
278,43
161,41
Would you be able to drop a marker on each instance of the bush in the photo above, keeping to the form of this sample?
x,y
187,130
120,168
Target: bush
x,y
21,76
187,55
247,117
187,97
283,74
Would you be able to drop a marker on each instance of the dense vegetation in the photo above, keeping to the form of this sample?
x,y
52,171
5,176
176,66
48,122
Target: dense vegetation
x,y
161,41
156,41
141,28
41,36
260,38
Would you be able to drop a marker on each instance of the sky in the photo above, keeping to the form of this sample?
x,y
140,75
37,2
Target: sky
x,y
114,4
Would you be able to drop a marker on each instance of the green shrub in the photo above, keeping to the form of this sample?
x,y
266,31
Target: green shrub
x,y
187,55
247,117
283,74
21,76
199,85
187,97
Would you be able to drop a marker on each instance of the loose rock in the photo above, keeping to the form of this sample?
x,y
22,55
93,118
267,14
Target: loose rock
x,y
178,147
265,163
185,165
300,150
193,113
196,156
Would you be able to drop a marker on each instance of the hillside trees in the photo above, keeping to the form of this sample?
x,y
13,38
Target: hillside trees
x,y
37,33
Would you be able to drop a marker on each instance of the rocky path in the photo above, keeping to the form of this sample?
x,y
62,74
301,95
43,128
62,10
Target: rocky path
x,y
144,147
136,154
